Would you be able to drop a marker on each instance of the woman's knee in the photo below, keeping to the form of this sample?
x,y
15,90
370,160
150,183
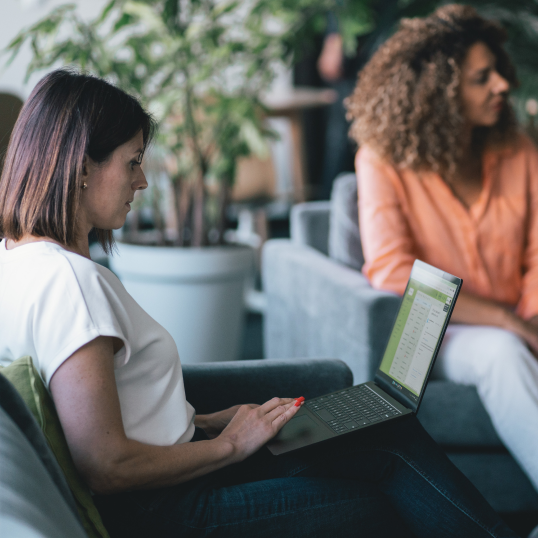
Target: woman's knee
x,y
502,352
472,353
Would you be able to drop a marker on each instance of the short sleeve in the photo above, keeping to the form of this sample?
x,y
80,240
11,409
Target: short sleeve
x,y
388,247
65,316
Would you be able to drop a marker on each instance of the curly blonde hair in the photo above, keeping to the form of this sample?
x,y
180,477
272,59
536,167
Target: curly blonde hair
x,y
406,105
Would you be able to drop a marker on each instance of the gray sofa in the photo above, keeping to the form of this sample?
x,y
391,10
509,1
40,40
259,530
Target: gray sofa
x,y
35,500
320,305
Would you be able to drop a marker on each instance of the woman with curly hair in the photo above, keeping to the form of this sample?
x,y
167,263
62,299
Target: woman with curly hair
x,y
445,176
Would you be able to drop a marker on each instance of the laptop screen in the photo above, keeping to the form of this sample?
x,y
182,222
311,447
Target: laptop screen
x,y
418,330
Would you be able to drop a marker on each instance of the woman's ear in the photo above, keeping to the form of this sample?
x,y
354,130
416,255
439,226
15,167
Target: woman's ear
x,y
85,169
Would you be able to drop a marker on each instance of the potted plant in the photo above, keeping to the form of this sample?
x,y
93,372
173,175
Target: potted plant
x,y
200,67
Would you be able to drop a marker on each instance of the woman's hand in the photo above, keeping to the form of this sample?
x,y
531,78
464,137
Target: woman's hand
x,y
214,423
475,310
251,428
528,330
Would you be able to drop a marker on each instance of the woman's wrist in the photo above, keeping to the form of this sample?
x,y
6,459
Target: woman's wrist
x,y
226,451
210,423
202,421
513,323
509,320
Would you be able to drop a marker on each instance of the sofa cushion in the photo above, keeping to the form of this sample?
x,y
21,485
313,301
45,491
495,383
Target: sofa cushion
x,y
455,417
344,237
31,504
29,385
12,403
309,224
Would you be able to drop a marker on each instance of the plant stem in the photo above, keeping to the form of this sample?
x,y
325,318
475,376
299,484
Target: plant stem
x,y
160,224
199,191
182,202
224,197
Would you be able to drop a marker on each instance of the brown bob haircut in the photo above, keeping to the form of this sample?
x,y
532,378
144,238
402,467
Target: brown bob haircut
x,y
68,116
407,106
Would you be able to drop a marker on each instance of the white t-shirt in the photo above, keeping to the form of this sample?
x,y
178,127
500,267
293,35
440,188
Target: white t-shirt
x,y
53,301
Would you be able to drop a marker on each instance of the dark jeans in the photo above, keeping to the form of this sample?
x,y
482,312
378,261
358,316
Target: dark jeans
x,y
390,481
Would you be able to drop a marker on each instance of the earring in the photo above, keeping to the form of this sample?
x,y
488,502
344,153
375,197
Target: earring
x,y
84,186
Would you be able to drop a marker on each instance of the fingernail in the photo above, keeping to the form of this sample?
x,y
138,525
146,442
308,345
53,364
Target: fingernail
x,y
299,401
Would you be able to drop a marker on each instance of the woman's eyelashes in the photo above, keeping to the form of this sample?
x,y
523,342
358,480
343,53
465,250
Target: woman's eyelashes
x,y
483,77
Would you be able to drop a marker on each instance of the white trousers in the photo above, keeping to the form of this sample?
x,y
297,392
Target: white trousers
x,y
505,374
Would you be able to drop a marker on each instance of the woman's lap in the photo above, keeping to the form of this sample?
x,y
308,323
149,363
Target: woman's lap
x,y
372,482
262,496
469,353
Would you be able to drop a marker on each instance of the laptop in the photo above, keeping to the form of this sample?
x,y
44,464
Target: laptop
x,y
400,381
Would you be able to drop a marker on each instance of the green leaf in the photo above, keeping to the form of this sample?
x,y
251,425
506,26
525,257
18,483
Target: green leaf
x,y
124,20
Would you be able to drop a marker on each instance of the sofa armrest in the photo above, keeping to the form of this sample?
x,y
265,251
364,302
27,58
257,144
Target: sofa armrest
x,y
319,308
218,385
309,225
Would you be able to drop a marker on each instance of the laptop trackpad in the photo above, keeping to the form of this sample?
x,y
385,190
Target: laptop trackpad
x,y
298,432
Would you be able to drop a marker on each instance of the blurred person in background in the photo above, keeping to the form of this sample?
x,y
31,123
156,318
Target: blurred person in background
x,y
446,176
340,73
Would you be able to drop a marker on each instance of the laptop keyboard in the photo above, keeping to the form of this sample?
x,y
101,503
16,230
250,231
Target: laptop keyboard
x,y
352,408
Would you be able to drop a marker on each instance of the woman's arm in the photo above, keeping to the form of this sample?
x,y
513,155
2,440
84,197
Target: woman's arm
x,y
388,246
86,398
475,310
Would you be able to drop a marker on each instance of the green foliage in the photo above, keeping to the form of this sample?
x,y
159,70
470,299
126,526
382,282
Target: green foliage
x,y
199,66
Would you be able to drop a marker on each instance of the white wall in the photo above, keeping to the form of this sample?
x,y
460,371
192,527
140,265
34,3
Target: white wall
x,y
18,14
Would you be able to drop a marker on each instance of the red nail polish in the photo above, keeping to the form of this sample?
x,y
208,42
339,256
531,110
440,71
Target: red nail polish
x,y
299,401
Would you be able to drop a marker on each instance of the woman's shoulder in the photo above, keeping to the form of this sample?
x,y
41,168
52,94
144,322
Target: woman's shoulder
x,y
367,153
44,265
92,279
521,146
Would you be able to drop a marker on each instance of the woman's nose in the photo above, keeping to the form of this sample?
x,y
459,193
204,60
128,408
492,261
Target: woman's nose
x,y
500,84
141,182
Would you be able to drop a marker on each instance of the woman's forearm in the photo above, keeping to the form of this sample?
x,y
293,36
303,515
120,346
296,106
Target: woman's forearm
x,y
475,310
133,465
122,464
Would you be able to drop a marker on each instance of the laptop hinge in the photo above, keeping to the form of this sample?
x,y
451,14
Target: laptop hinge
x,y
392,390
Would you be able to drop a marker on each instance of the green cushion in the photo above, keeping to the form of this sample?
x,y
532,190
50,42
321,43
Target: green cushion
x,y
28,383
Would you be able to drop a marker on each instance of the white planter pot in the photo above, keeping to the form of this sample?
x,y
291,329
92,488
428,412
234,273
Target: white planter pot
x,y
195,293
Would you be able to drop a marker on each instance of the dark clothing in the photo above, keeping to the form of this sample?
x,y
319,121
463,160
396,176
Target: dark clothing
x,y
390,481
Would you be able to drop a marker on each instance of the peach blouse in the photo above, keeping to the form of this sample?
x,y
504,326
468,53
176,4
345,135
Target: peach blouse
x,y
492,246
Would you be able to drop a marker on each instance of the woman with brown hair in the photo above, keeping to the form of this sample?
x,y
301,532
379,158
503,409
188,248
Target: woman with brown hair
x,y
155,466
444,175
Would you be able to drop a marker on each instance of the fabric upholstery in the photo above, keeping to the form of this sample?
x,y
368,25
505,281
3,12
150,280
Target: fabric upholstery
x,y
309,225
29,385
344,238
318,308
455,417
31,505
13,404
213,386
